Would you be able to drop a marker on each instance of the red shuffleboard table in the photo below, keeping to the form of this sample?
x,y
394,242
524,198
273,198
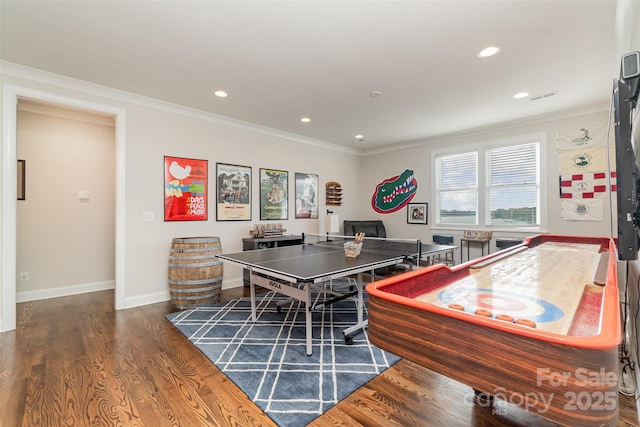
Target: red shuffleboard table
x,y
555,353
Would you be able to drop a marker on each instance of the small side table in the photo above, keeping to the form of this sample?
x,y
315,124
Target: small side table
x,y
470,241
506,242
252,243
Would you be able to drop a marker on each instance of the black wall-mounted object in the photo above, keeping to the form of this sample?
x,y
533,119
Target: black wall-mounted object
x,y
626,173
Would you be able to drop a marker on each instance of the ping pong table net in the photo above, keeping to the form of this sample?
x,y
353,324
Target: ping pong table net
x,y
410,249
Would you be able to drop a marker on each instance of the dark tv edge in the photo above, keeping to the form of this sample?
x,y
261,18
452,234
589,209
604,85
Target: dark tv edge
x,y
627,185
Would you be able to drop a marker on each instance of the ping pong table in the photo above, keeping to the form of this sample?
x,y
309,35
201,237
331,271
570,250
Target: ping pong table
x,y
298,270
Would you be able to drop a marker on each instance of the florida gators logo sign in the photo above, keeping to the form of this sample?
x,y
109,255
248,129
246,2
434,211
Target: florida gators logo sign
x,y
394,193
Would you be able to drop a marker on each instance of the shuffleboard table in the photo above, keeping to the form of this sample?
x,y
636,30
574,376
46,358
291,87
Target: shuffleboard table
x,y
555,351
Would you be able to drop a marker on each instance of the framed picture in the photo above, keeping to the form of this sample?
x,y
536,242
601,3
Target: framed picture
x,y
185,189
417,213
233,184
306,195
21,179
273,194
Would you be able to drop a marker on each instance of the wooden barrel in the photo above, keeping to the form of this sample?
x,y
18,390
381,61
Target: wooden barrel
x,y
195,272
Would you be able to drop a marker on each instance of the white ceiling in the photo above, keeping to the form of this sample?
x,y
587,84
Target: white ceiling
x,y
282,60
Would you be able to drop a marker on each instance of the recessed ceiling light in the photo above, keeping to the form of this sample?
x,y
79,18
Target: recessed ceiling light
x,y
521,95
375,93
489,51
360,138
221,94
305,120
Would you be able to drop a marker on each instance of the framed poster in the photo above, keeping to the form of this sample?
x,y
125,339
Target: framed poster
x,y
417,213
306,195
233,184
185,189
21,179
273,194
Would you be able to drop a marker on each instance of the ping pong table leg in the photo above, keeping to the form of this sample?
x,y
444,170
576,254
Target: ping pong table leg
x,y
360,303
308,320
348,339
252,289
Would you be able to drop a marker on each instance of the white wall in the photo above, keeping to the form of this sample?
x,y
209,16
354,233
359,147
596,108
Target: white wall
x,y
66,245
155,129
152,134
377,167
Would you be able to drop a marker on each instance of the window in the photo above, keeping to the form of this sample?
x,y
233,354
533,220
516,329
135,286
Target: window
x,y
496,186
457,189
513,187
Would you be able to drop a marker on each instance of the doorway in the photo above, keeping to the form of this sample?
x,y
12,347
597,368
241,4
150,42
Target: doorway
x,y
65,224
11,94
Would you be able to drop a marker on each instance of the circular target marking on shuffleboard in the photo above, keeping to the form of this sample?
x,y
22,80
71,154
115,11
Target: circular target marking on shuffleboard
x,y
495,302
517,305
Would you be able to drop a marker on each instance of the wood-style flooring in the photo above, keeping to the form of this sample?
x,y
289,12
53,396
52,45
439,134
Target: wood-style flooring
x,y
75,361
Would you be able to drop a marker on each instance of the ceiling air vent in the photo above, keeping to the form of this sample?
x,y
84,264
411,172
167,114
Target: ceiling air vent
x,y
546,95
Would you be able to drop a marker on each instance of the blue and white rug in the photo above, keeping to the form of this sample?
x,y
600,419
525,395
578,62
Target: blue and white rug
x,y
267,359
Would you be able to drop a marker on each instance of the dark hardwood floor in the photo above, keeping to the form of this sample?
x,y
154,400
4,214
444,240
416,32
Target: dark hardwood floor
x,y
74,361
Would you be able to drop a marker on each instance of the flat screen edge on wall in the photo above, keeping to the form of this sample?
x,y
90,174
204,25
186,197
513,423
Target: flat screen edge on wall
x,y
625,98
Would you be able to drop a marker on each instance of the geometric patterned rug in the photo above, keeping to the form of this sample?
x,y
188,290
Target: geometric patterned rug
x,y
268,361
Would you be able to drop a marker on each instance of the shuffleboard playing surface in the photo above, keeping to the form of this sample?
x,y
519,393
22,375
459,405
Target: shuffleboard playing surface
x,y
544,283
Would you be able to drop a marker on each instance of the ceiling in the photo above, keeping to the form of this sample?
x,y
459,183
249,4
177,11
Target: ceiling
x,y
280,61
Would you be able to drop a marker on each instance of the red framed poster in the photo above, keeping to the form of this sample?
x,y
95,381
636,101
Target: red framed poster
x,y
185,189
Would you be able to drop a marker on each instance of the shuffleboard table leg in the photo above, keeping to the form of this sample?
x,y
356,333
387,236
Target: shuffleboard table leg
x,y
483,397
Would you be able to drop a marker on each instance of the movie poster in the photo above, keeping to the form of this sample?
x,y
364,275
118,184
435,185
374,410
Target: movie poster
x,y
273,194
306,195
234,192
185,189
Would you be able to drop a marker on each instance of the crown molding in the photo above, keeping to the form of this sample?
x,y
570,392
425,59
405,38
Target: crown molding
x,y
45,77
500,127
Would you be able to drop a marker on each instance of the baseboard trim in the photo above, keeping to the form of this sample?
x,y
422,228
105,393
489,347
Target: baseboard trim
x,y
234,283
131,302
64,291
147,299
163,296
